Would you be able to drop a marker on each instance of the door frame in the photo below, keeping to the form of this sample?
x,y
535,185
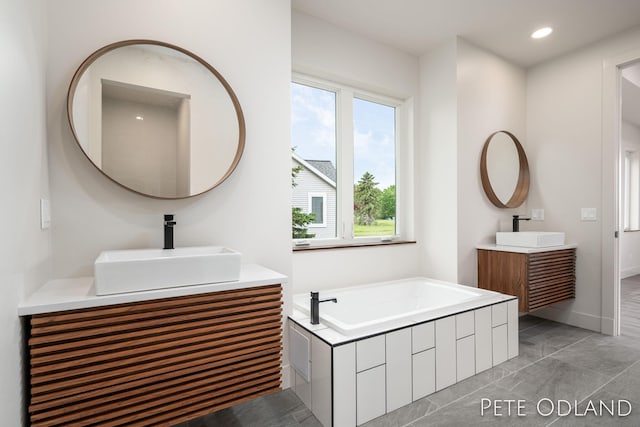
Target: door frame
x,y
611,187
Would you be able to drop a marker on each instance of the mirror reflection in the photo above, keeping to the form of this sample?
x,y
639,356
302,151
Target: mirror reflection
x,y
156,119
504,170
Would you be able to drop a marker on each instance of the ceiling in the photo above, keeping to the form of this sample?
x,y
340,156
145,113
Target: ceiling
x,y
500,26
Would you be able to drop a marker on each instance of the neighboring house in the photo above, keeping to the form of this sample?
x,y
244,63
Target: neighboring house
x,y
315,192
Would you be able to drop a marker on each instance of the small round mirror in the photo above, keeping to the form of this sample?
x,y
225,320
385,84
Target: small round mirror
x,y
156,119
504,170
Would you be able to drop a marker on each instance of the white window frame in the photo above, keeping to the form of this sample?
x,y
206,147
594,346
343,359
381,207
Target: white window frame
x,y
344,164
311,195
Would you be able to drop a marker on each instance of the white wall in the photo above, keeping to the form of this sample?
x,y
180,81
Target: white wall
x,y
466,94
565,146
91,214
25,252
327,51
490,97
248,42
437,163
629,240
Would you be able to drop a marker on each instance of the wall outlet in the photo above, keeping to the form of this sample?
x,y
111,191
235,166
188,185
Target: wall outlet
x,y
45,214
588,214
537,214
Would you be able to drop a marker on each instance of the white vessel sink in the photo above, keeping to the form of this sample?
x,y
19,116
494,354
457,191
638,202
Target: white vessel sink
x,y
147,269
530,239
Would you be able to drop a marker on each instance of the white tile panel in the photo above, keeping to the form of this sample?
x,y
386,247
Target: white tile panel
x,y
512,326
465,324
321,381
484,349
370,400
398,365
445,352
500,346
424,373
499,314
344,385
465,357
423,337
370,352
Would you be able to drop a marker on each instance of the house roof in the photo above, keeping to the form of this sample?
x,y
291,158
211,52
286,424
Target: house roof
x,y
325,167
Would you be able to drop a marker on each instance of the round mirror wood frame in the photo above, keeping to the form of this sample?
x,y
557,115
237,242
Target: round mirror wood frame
x,y
521,190
227,88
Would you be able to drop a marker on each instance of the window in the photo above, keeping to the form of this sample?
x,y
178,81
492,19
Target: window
x,y
318,209
345,145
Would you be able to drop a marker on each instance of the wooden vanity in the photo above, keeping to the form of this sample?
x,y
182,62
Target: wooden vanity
x,y
538,277
156,359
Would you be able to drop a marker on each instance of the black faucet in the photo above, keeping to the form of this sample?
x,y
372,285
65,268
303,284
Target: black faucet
x,y
168,231
315,306
516,222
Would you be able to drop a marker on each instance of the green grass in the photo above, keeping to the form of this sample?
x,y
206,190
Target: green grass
x,y
382,227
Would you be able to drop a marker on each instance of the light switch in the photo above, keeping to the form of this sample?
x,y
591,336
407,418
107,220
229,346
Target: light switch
x,y
45,214
588,214
537,214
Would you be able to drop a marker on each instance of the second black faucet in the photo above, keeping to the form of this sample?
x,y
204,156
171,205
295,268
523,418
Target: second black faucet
x,y
516,223
168,231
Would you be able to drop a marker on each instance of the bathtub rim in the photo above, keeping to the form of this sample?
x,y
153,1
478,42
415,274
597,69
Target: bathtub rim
x,y
333,337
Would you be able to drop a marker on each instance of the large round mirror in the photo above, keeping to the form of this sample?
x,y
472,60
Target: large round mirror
x,y
504,170
156,119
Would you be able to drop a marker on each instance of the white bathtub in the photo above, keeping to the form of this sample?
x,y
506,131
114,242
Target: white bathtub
x,y
369,308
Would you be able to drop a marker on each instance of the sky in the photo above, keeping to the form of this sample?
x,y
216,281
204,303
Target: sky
x,y
313,132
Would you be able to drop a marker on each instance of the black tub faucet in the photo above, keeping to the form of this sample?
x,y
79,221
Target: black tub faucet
x,y
315,306
168,231
516,223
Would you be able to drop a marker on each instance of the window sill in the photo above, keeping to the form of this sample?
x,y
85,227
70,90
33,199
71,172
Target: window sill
x,y
351,245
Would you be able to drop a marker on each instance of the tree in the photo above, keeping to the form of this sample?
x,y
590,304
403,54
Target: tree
x,y
366,196
388,203
299,219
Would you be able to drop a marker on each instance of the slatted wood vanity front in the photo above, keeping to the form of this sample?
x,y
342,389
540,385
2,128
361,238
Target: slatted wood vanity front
x,y
538,279
155,362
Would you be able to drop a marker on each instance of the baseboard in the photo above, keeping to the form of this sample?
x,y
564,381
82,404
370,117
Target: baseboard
x,y
569,317
628,272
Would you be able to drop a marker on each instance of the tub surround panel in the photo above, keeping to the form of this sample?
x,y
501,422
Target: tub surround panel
x,y
370,353
370,395
321,380
483,349
423,337
374,375
344,384
445,352
78,293
398,361
424,373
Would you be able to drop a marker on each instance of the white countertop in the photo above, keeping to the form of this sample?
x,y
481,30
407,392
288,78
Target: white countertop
x,y
71,294
523,250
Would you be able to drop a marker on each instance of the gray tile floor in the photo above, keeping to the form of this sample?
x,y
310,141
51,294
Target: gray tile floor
x,y
557,362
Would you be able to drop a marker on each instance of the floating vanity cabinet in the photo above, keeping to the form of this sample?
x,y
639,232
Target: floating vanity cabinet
x,y
155,362
538,277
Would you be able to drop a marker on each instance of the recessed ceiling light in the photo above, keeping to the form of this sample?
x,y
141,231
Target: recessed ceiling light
x,y
139,118
541,33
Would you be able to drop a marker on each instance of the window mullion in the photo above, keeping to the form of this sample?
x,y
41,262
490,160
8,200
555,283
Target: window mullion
x,y
345,160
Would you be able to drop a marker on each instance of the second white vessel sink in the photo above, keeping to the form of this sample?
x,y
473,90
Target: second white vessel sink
x,y
530,239
148,269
